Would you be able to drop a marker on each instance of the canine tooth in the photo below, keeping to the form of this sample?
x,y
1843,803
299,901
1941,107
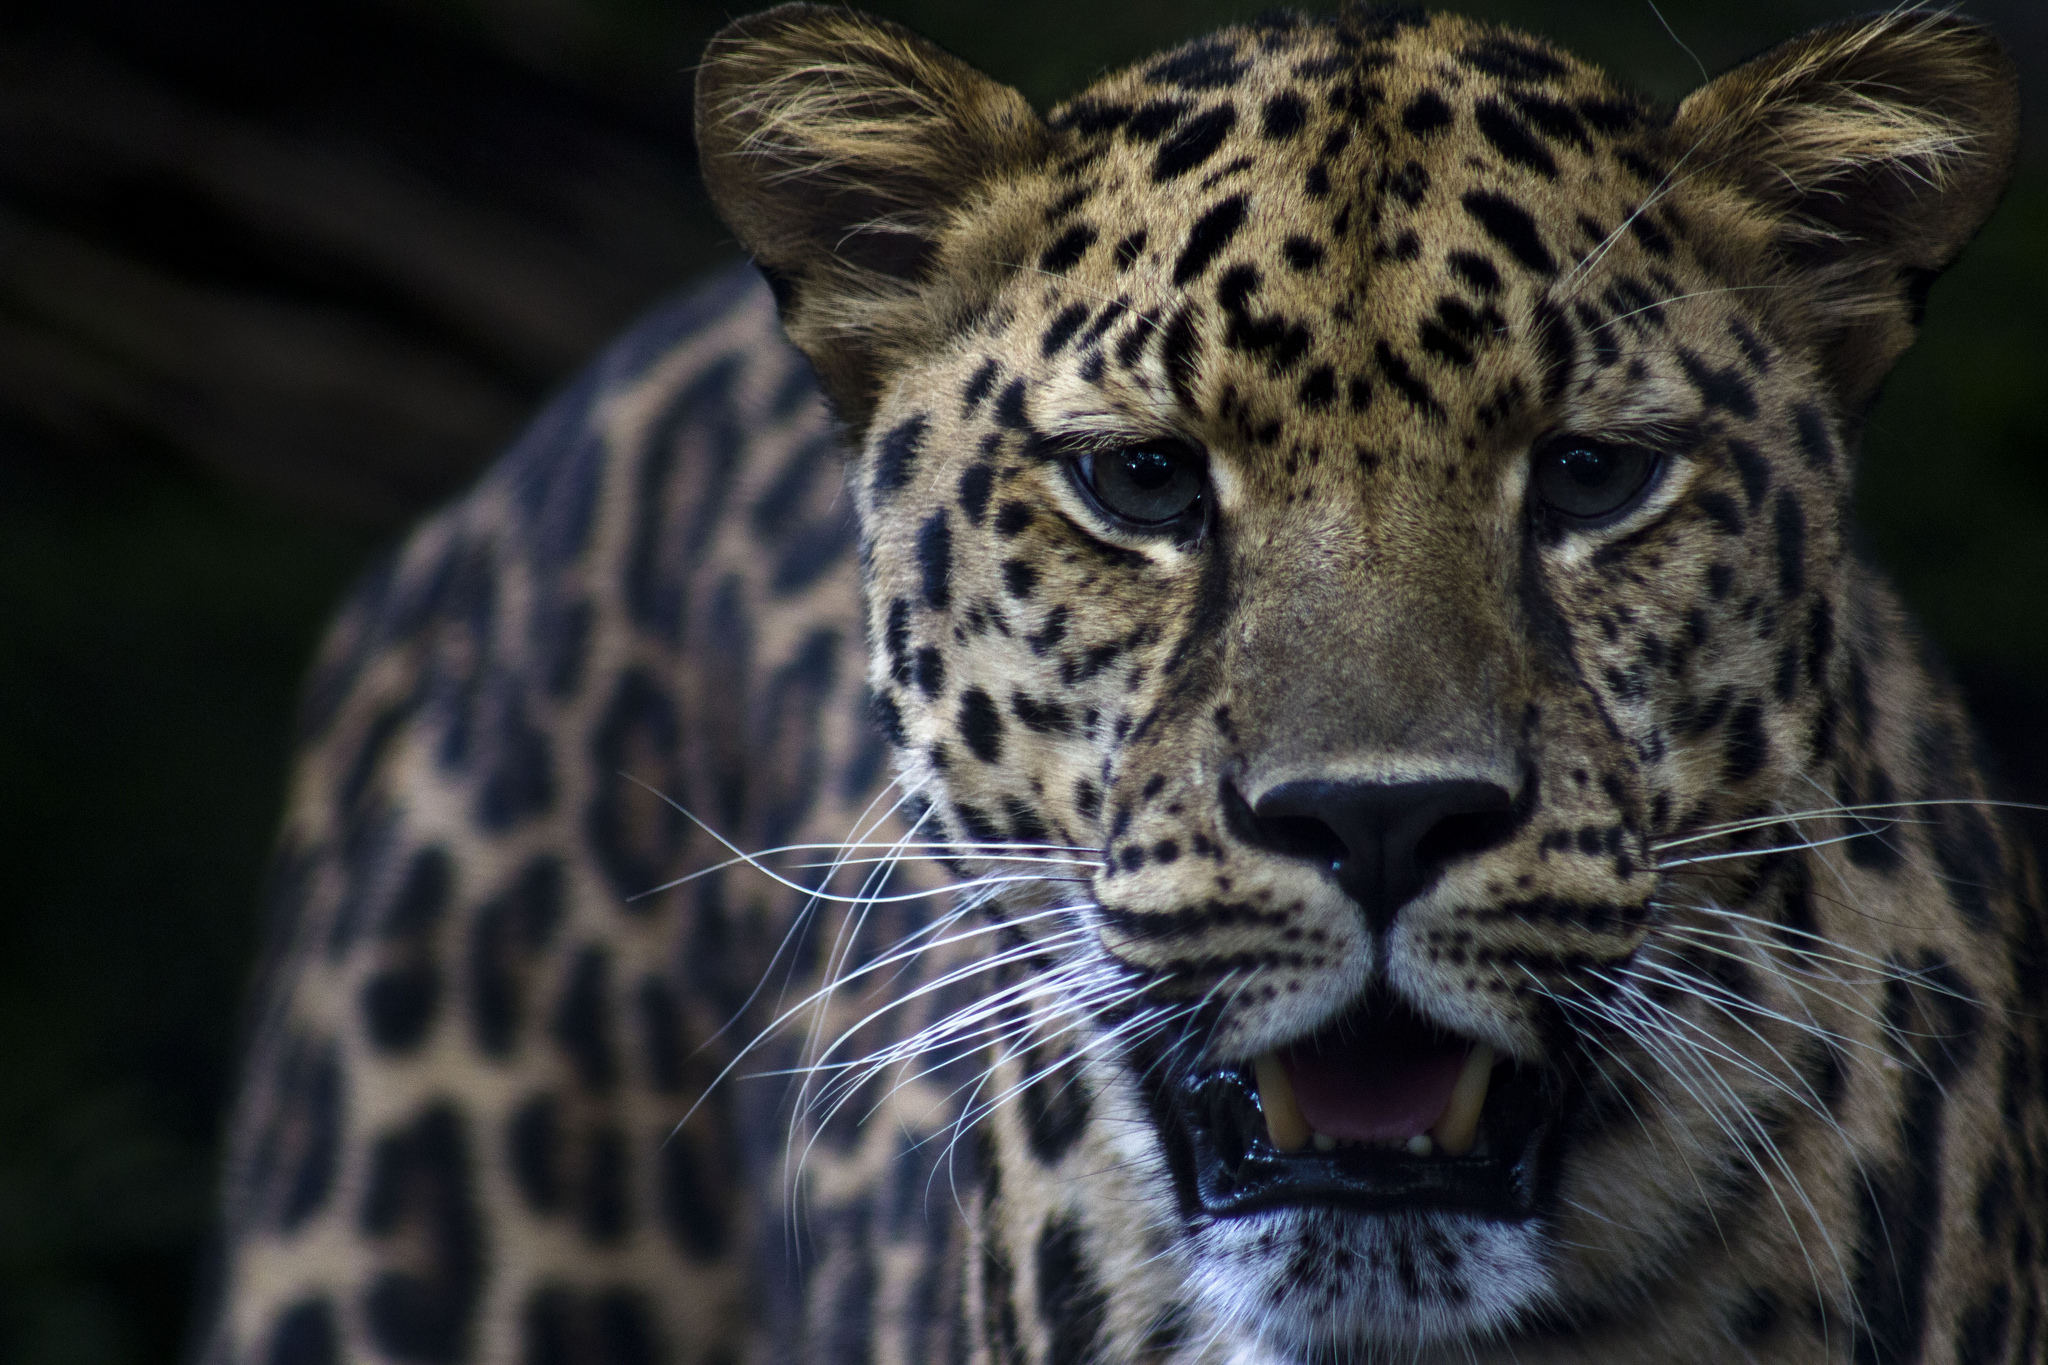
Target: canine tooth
x,y
1284,1121
1324,1142
1458,1127
1419,1145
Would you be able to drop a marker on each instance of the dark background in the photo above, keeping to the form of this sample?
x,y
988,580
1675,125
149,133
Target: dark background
x,y
276,278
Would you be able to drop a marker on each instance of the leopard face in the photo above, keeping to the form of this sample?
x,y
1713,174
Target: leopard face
x,y
1368,499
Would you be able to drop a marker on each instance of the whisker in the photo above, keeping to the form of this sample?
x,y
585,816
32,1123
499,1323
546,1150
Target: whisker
x,y
1821,812
1655,304
1704,858
1801,986
1025,987
978,857
838,980
963,973
1887,968
800,921
1680,41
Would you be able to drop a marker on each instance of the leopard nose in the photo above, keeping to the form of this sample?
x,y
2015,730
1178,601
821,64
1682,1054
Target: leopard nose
x,y
1384,842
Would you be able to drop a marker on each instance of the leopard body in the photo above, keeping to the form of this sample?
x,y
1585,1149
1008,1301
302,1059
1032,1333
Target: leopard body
x,y
948,1066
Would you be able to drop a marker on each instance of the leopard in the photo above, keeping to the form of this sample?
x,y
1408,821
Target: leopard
x,y
1236,723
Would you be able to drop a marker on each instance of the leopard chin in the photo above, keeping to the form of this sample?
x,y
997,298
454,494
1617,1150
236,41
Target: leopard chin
x,y
1331,1284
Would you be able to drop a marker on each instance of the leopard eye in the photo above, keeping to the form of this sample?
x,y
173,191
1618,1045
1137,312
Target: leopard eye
x,y
1591,481
1147,488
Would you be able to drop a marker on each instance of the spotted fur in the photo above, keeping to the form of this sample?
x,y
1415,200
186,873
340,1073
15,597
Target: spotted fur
x,y
541,1074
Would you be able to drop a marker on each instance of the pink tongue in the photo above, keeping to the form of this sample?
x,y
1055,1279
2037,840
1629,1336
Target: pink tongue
x,y
1394,1089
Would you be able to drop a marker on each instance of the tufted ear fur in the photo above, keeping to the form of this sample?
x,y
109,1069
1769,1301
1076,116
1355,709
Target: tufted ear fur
x,y
837,147
1863,156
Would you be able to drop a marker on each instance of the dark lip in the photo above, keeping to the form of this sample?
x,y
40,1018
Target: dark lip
x,y
1227,1166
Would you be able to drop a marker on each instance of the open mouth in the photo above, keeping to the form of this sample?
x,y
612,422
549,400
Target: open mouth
x,y
1378,1111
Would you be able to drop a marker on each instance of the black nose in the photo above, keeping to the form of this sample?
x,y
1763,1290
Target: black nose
x,y
1383,841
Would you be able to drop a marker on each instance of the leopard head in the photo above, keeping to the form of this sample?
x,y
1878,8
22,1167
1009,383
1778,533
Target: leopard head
x,y
1365,490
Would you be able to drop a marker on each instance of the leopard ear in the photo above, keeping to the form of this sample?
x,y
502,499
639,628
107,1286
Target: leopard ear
x,y
837,147
1863,156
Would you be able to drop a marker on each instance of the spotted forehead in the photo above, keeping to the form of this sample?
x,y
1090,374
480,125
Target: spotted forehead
x,y
1350,210
1342,116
